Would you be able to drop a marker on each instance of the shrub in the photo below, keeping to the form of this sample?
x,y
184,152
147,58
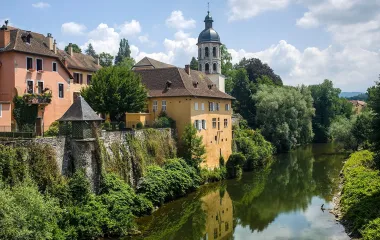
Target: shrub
x,y
79,187
192,147
164,121
221,161
214,175
139,125
107,125
361,195
154,185
235,164
53,130
121,125
27,214
13,167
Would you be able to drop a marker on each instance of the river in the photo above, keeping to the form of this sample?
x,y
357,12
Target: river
x,y
282,202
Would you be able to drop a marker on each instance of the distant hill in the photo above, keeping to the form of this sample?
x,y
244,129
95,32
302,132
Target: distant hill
x,y
360,97
349,94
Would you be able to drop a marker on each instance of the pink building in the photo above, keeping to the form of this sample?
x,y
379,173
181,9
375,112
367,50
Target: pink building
x,y
30,63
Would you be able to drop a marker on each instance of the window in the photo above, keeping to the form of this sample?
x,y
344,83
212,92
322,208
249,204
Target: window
x,y
225,123
226,226
29,63
214,67
163,105
207,67
55,69
39,64
202,106
218,123
228,107
204,124
196,106
1,110
40,85
214,123
215,233
60,90
197,125
29,86
155,106
206,51
214,51
200,67
200,53
89,78
211,106
78,78
217,106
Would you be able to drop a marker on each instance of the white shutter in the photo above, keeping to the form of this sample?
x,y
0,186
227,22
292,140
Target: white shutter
x,y
203,106
196,106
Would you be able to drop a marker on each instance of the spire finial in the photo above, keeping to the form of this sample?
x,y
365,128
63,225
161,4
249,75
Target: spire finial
x,y
208,7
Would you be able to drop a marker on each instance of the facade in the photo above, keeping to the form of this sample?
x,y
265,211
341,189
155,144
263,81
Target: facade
x,y
31,64
209,54
190,97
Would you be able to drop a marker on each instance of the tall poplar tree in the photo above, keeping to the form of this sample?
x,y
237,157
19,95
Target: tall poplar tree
x,y
124,51
91,51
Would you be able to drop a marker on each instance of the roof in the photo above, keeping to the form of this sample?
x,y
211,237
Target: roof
x,y
79,61
197,84
208,34
147,63
356,102
80,111
39,46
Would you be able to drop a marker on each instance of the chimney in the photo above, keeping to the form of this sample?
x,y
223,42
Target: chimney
x,y
50,41
70,49
55,47
98,61
187,69
5,35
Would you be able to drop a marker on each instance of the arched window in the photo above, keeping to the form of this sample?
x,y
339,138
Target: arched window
x,y
200,53
206,51
200,67
214,67
214,51
207,68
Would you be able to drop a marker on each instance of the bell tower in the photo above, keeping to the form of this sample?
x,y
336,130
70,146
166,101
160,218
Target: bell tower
x,y
209,53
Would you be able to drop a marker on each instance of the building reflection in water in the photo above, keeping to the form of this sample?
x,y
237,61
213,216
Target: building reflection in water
x,y
219,210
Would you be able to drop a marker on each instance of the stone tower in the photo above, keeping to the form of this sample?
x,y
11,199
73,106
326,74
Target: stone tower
x,y
209,54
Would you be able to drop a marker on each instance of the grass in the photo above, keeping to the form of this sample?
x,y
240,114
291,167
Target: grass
x,y
360,202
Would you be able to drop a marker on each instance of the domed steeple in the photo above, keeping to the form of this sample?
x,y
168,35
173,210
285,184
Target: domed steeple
x,y
208,34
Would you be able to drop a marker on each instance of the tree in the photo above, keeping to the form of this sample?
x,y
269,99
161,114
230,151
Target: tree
x,y
91,51
127,62
255,69
124,51
326,102
283,114
75,47
374,104
226,60
194,64
192,148
105,59
116,90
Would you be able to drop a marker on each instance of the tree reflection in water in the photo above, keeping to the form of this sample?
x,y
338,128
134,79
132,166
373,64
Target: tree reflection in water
x,y
254,201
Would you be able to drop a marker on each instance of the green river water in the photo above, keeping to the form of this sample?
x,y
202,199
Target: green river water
x,y
281,202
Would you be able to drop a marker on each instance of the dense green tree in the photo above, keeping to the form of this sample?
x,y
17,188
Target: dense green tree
x,y
284,115
326,100
360,97
194,64
127,62
192,148
91,51
105,59
124,51
226,60
255,69
116,90
374,104
75,47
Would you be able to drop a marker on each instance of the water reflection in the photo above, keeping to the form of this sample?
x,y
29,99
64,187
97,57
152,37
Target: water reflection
x,y
281,202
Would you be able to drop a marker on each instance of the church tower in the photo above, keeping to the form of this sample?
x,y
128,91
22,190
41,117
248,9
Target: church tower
x,y
209,53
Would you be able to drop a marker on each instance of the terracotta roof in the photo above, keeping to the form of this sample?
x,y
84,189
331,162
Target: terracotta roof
x,y
80,111
147,63
38,45
174,82
356,102
79,61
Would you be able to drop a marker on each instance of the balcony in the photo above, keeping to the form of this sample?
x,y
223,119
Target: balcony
x,y
39,99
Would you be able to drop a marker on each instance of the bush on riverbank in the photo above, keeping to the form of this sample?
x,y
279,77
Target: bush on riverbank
x,y
235,165
361,195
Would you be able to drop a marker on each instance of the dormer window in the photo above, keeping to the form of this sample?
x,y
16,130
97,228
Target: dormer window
x,y
168,84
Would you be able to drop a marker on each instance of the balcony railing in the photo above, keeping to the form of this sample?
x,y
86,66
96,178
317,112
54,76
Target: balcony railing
x,y
40,99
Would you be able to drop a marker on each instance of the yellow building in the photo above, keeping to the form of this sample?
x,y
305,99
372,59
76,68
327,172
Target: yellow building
x,y
189,97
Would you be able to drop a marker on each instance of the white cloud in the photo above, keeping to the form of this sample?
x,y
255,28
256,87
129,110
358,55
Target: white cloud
x,y
72,28
104,39
244,9
307,21
131,28
177,20
41,5
146,40
347,66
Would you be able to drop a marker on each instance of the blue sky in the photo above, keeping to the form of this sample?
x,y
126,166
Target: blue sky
x,y
304,41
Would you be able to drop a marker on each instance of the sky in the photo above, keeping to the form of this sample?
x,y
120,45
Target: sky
x,y
303,41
